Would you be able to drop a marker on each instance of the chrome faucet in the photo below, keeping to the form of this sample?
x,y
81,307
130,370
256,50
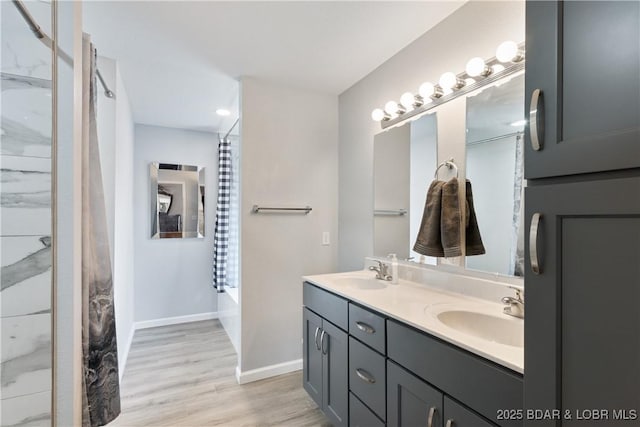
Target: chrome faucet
x,y
515,306
382,270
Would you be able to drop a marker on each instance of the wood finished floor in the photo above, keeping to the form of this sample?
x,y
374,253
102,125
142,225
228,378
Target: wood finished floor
x,y
184,375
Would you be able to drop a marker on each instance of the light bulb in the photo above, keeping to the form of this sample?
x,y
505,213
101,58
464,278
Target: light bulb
x,y
450,81
409,101
428,91
392,108
508,52
378,115
477,67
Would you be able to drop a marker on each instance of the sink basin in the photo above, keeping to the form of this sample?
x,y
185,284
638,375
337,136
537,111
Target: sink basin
x,y
495,328
362,283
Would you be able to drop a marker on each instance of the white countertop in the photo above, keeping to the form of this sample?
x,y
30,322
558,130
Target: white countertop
x,y
418,304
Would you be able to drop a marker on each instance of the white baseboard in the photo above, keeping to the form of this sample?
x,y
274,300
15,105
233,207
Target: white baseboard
x,y
267,371
165,321
125,351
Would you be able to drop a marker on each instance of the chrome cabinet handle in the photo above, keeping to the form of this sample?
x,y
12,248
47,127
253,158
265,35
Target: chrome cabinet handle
x,y
536,120
533,243
450,422
365,328
365,376
315,339
432,412
322,342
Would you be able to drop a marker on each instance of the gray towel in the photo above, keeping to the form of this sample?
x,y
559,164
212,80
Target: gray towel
x,y
429,241
473,240
450,218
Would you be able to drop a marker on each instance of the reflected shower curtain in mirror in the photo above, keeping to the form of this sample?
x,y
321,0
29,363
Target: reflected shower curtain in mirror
x,y
101,389
517,233
221,235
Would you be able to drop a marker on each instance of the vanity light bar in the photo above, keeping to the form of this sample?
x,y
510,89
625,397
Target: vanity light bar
x,y
509,59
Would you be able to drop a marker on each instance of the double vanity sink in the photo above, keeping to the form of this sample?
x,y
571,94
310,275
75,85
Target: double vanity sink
x,y
381,354
479,326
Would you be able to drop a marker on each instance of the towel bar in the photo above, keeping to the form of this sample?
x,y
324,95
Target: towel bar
x,y
390,212
258,209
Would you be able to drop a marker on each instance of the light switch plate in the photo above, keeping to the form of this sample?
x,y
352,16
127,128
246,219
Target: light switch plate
x,y
326,241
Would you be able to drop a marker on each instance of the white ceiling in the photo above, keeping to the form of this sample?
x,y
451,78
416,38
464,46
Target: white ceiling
x,y
182,60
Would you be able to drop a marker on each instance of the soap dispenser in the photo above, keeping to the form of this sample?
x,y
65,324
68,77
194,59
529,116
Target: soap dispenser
x,y
394,269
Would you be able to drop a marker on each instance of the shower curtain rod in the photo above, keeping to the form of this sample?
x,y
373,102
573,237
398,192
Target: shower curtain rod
x,y
44,38
232,126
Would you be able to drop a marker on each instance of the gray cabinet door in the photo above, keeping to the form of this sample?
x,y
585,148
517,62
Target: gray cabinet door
x,y
312,357
457,415
411,401
585,58
582,328
335,387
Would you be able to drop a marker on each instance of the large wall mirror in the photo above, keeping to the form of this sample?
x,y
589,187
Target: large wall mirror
x,y
405,159
494,150
177,201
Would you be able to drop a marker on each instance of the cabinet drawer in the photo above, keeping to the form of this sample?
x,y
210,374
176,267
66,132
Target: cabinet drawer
x,y
332,307
367,376
368,327
481,384
461,416
360,415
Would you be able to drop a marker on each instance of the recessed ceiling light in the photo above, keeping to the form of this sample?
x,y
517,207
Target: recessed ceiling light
x,y
518,123
222,112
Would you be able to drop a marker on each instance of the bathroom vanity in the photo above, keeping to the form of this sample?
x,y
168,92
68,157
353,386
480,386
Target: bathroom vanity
x,y
378,354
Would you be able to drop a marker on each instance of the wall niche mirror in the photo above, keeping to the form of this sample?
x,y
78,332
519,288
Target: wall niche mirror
x,y
494,166
405,159
176,195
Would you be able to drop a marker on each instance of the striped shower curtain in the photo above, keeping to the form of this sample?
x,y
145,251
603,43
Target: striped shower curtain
x,y
101,389
516,266
221,235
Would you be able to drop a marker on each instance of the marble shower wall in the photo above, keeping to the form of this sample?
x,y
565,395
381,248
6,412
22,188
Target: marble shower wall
x,y
25,220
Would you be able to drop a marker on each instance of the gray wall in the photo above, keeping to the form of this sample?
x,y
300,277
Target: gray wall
x,y
476,29
289,158
172,276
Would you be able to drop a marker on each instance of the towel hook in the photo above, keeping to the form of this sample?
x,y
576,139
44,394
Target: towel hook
x,y
450,164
